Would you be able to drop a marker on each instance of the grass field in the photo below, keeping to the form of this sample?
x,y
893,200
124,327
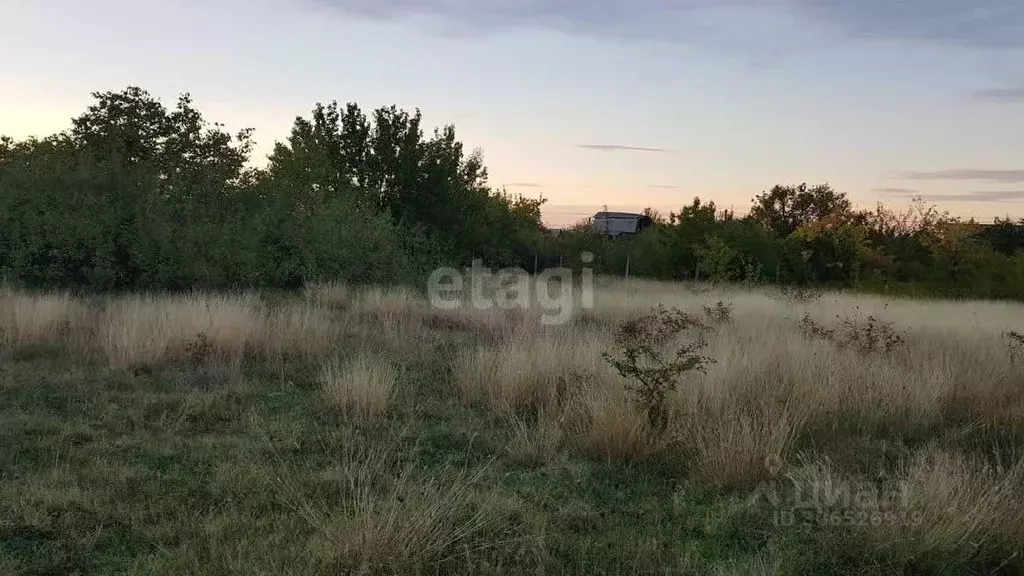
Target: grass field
x,y
363,431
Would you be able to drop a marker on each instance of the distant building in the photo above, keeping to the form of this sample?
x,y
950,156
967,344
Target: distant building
x,y
619,223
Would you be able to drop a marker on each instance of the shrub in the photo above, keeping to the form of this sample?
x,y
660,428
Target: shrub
x,y
1015,342
640,357
868,336
798,294
720,313
871,335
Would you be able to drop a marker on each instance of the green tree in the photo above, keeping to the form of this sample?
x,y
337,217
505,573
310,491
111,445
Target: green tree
x,y
716,257
784,209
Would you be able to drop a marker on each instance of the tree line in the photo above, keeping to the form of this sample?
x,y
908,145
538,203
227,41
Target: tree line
x,y
139,196
811,235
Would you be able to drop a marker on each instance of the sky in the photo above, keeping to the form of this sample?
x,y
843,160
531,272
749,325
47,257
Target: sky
x,y
618,103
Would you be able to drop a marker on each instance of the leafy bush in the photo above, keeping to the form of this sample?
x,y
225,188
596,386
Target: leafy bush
x,y
642,355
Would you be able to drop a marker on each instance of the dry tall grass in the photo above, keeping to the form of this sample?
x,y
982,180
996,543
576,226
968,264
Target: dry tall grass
x,y
39,318
145,331
942,509
392,521
772,385
773,391
362,387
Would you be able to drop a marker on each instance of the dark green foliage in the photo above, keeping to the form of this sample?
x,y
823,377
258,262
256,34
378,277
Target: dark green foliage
x,y
139,196
785,209
799,237
642,355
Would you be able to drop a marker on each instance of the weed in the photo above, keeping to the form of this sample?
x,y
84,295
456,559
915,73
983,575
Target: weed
x,y
872,335
1015,343
798,294
199,349
720,313
812,329
869,336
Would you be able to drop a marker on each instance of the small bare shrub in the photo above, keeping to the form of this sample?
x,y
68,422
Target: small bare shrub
x,y
811,328
868,336
797,294
362,387
720,313
199,349
871,335
640,357
1015,343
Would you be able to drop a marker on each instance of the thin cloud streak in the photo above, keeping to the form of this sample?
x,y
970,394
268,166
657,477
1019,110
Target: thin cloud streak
x,y
524,185
976,196
621,148
1001,95
663,186
897,191
992,196
1002,176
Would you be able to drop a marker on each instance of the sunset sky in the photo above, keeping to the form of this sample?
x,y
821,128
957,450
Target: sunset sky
x,y
625,103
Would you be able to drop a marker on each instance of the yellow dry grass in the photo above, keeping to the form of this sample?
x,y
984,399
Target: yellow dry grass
x,y
392,521
39,318
363,387
738,425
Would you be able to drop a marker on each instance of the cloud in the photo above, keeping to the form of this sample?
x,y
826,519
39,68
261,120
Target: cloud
x,y
897,191
663,186
524,185
621,148
978,196
1003,176
990,196
1000,95
984,23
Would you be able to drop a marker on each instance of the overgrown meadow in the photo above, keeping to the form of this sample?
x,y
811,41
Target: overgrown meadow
x,y
671,428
